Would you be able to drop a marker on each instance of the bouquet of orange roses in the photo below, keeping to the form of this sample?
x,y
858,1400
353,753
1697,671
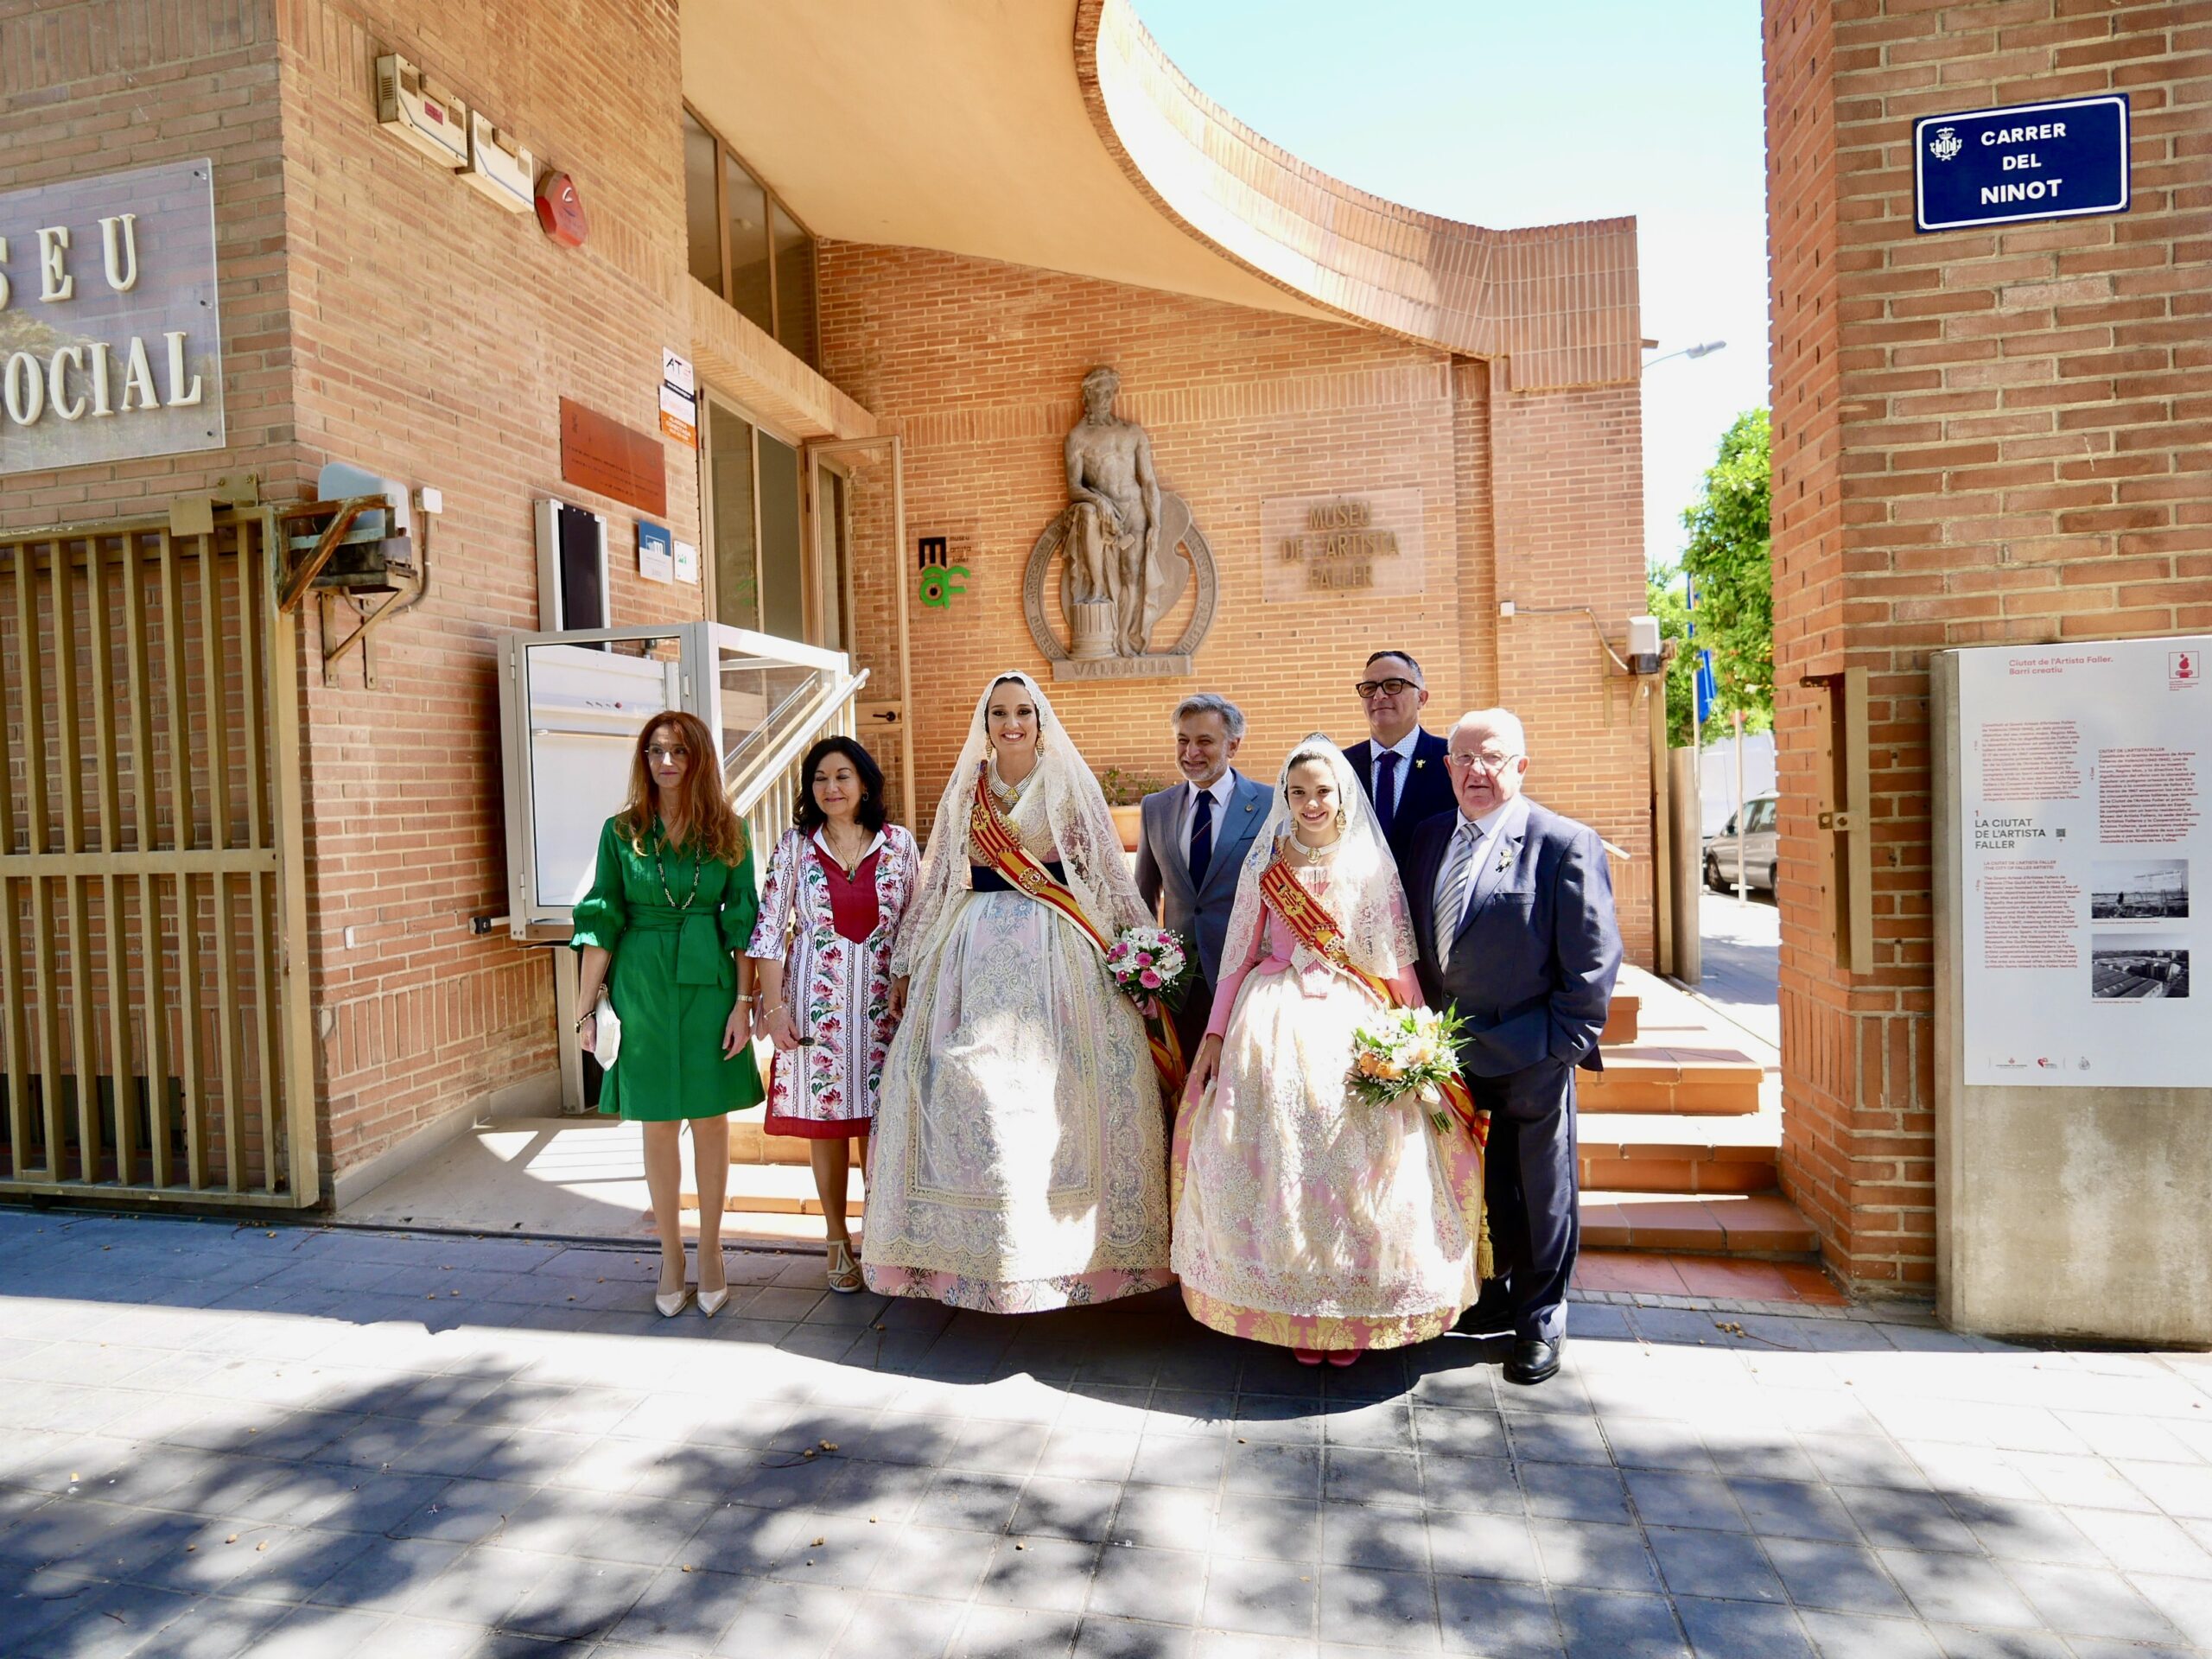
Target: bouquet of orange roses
x,y
1402,1051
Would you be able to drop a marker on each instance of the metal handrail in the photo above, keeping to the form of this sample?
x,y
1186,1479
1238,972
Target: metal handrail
x,y
747,786
763,795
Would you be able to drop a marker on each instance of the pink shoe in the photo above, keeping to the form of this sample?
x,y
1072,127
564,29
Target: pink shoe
x,y
1341,1357
1306,1356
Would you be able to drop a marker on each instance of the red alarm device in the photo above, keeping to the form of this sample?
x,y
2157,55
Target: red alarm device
x,y
560,211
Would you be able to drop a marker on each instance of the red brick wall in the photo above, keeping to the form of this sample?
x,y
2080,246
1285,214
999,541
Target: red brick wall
x,y
91,88
979,365
435,335
1978,436
376,311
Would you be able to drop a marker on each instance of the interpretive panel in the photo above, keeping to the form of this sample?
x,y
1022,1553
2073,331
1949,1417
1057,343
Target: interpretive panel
x,y
2084,840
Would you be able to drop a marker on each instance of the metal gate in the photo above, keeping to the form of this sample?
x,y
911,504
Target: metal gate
x,y
155,1042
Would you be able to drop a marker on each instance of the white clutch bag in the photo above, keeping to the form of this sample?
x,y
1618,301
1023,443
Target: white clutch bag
x,y
607,1033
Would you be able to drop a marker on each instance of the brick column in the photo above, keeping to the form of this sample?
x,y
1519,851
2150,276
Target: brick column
x,y
1979,437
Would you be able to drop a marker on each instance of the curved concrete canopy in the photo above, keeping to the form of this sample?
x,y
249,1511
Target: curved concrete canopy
x,y
1056,134
953,124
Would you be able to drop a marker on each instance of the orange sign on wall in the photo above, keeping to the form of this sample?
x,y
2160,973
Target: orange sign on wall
x,y
613,460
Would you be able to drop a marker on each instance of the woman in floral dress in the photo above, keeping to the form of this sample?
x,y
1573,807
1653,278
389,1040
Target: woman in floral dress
x,y
1020,1161
838,885
1304,1216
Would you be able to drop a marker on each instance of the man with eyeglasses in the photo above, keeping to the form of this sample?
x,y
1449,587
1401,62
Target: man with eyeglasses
x,y
1513,916
1399,764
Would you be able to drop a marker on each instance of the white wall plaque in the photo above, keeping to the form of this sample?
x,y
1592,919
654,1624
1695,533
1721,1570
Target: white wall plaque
x,y
110,343
1342,547
2085,844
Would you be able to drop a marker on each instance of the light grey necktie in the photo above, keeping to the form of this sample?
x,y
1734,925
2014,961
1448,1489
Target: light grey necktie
x,y
1455,882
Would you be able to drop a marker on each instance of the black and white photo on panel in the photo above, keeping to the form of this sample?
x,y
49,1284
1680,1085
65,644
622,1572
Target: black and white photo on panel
x,y
2137,967
2138,890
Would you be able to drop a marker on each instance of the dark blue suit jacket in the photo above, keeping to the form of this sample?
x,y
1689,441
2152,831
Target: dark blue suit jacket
x,y
1423,793
1164,866
1531,973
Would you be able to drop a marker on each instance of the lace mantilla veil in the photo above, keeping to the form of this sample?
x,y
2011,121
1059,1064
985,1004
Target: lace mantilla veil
x,y
1363,894
1060,792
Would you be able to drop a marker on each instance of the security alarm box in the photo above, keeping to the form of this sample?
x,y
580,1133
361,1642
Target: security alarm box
x,y
499,166
419,112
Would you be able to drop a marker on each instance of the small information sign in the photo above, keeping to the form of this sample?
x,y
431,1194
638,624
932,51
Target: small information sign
x,y
679,400
2032,161
655,555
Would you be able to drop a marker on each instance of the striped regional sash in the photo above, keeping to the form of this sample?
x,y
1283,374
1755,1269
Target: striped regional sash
x,y
1312,926
996,841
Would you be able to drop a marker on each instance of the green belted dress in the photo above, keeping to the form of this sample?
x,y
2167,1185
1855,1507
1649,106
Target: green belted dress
x,y
672,980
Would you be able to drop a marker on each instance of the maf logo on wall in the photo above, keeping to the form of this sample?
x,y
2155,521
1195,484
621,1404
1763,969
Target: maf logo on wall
x,y
2184,670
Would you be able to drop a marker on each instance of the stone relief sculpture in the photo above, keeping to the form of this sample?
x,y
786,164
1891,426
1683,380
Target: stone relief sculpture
x,y
1125,550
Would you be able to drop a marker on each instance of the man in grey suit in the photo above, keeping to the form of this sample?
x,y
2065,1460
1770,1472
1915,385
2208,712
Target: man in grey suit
x,y
1513,915
1196,835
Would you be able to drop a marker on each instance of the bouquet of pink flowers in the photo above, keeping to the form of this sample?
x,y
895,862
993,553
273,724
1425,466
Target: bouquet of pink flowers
x,y
1403,1052
1151,963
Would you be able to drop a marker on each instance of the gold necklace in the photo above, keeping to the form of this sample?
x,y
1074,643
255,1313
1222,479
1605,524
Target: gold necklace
x,y
830,839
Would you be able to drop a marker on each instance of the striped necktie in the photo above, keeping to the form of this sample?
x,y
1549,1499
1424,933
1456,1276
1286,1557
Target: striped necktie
x,y
1454,882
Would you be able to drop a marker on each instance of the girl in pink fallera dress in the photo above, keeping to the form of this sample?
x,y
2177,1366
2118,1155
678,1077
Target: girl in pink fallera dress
x,y
1304,1215
837,885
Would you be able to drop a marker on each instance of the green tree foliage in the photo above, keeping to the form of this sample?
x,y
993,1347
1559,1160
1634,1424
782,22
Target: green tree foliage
x,y
1730,557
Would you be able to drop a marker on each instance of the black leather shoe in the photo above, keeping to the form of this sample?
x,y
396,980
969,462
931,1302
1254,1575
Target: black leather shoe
x,y
1534,1360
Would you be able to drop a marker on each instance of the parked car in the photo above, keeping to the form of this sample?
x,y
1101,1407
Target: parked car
x,y
1760,856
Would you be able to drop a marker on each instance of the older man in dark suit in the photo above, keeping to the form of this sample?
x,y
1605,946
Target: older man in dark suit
x,y
1513,913
1399,765
1195,838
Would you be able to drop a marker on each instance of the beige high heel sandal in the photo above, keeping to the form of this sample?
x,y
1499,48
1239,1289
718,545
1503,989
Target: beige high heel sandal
x,y
844,1272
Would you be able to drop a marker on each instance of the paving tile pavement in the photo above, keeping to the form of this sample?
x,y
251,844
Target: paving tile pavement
x,y
257,1440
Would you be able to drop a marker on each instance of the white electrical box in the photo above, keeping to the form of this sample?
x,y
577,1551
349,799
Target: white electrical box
x,y
499,166
417,112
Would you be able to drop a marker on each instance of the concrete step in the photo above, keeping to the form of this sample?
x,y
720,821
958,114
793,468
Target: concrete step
x,y
779,1202
777,1190
1764,1224
1681,1081
1622,1019
1678,1153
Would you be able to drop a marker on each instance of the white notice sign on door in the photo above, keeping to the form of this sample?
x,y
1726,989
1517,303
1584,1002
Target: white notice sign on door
x,y
2085,841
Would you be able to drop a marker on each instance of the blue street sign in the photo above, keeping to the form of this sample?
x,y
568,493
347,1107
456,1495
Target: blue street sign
x,y
1708,693
2032,161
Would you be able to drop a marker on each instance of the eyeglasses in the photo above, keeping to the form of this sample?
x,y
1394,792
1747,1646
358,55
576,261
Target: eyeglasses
x,y
1370,689
658,753
1492,764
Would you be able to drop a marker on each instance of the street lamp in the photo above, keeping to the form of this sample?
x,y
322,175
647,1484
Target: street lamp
x,y
1707,349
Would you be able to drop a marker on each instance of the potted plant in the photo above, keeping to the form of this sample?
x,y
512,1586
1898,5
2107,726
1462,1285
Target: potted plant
x,y
1125,792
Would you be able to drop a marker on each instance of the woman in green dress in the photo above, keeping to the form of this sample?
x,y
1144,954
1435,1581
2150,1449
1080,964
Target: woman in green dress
x,y
671,908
